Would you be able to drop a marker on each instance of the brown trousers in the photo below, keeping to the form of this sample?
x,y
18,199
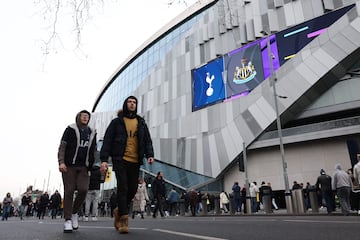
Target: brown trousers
x,y
76,178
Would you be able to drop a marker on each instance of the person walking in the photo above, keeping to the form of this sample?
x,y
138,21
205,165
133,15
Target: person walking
x,y
237,197
55,201
7,202
273,201
323,183
356,170
356,176
25,201
159,191
93,194
224,201
254,191
127,141
243,198
76,157
43,204
173,200
193,201
140,199
342,184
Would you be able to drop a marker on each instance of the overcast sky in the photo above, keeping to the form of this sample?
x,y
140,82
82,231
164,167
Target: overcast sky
x,y
40,96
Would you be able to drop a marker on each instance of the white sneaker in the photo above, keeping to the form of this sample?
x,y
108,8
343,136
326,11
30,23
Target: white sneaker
x,y
359,212
75,221
68,226
86,219
94,219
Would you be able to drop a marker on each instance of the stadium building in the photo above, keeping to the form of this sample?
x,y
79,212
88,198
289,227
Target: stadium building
x,y
220,77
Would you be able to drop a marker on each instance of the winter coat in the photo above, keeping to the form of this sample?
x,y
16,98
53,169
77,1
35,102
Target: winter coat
x,y
253,190
68,152
356,172
173,196
158,188
44,200
341,178
115,139
140,198
236,191
7,201
323,183
223,199
55,201
193,198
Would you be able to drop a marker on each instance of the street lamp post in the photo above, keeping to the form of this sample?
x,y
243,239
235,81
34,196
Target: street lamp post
x,y
289,206
248,201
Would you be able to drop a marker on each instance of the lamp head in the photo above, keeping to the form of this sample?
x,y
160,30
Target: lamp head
x,y
263,32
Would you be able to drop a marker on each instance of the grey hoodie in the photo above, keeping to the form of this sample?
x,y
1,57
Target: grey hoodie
x,y
340,178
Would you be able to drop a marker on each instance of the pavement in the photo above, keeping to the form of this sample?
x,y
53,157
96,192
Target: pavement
x,y
283,212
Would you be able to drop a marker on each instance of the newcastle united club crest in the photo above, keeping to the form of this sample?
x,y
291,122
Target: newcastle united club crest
x,y
245,73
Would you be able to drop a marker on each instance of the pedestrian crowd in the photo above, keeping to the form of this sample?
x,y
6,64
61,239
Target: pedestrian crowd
x,y
340,190
32,205
127,142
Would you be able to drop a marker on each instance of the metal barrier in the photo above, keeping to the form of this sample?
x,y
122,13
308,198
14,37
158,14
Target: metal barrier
x,y
266,198
289,203
232,204
182,207
248,205
217,205
298,201
204,206
314,203
267,203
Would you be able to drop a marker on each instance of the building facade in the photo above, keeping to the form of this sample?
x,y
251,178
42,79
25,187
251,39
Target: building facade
x,y
205,84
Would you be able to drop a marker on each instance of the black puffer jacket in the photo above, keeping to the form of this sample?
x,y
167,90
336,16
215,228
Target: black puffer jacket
x,y
115,139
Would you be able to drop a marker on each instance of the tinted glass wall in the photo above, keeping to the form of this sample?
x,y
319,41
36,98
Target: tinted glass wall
x,y
130,77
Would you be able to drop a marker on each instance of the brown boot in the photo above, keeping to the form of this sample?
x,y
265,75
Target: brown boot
x,y
124,224
117,222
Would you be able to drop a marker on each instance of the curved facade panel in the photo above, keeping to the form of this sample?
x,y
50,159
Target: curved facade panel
x,y
207,138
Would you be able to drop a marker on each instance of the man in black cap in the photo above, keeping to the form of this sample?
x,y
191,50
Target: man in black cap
x,y
324,184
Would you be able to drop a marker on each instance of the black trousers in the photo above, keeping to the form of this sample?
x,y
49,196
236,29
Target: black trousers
x,y
159,205
127,175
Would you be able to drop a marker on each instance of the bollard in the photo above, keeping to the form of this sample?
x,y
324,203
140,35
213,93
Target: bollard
x,y
267,203
289,203
217,205
266,198
248,205
298,201
182,207
314,203
204,209
231,205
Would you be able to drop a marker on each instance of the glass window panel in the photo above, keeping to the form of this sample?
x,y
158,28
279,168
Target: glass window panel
x,y
136,72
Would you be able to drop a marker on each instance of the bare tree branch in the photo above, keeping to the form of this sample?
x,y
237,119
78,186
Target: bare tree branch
x,y
55,14
171,2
